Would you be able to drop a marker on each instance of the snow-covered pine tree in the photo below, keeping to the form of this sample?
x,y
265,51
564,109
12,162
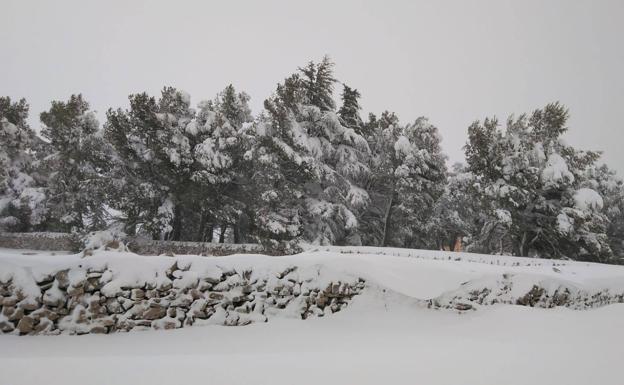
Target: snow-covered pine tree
x,y
308,136
382,134
220,141
352,160
154,162
535,183
579,205
182,172
276,205
318,84
611,188
22,195
420,176
408,176
76,192
349,111
339,154
457,214
281,168
335,199
484,154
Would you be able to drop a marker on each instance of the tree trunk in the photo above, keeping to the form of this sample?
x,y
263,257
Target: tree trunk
x,y
131,223
385,223
209,235
177,224
237,233
222,234
522,242
202,229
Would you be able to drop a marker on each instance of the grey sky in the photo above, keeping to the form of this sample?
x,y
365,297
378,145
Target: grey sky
x,y
453,61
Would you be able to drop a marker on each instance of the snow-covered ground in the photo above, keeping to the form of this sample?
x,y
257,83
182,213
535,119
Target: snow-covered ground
x,y
385,335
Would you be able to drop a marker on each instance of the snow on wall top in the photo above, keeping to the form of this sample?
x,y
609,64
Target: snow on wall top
x,y
419,274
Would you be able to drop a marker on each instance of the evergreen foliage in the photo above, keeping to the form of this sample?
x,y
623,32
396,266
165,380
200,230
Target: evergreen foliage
x,y
22,196
76,193
535,185
306,169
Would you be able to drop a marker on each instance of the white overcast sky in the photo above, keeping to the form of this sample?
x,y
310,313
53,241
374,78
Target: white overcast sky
x,y
452,61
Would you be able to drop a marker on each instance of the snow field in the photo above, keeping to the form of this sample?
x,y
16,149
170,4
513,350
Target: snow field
x,y
386,334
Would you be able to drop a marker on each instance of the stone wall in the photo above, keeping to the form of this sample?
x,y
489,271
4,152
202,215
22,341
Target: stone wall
x,y
541,293
40,241
82,300
144,246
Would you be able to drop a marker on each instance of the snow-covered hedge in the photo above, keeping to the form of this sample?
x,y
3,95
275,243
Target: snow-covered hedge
x,y
112,291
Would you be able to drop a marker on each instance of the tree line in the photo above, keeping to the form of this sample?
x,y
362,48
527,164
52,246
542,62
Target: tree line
x,y
305,168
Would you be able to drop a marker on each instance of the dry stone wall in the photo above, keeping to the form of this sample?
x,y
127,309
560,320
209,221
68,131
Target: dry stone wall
x,y
40,241
151,247
87,299
138,245
510,290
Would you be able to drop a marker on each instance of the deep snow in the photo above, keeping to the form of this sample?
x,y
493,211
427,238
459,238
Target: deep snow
x,y
384,335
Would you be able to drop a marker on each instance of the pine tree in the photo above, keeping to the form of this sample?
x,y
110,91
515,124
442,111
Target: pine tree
x,y
534,182
428,166
282,168
349,112
419,179
335,199
154,162
309,132
408,174
318,84
279,173
457,214
222,170
611,189
22,196
76,192
381,184
189,173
